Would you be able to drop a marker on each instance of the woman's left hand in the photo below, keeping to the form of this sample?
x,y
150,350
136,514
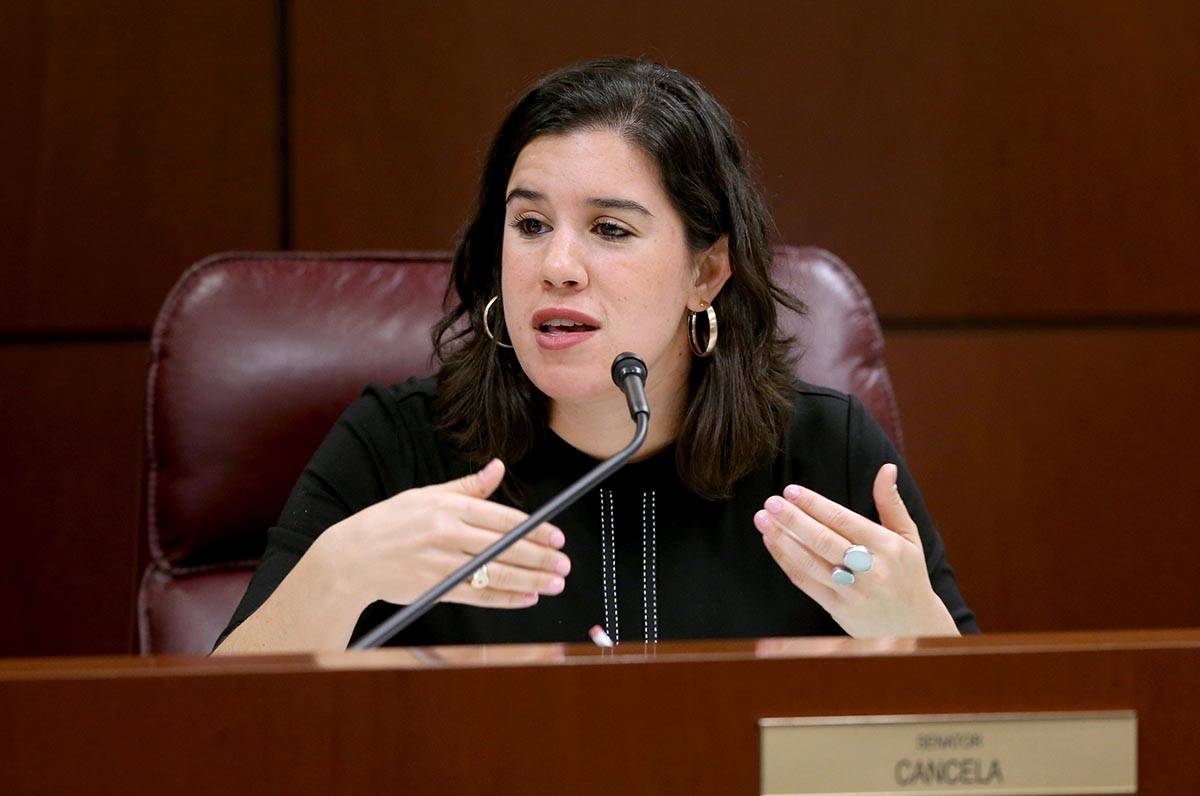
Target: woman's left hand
x,y
808,534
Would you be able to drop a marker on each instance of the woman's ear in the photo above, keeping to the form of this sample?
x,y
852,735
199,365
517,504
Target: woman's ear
x,y
712,269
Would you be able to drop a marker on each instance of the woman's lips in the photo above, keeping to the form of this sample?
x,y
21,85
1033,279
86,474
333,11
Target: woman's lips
x,y
555,341
552,335
548,314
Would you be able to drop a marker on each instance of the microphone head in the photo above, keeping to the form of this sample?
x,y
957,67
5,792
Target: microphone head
x,y
628,364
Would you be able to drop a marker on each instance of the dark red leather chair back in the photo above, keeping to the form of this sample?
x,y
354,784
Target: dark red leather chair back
x,y
254,356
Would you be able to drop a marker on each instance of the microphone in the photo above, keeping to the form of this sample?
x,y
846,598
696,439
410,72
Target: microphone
x,y
629,373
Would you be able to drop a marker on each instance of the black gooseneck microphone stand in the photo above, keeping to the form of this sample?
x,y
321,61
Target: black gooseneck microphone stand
x,y
629,373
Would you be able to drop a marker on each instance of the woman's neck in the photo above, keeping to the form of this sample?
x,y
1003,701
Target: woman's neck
x,y
601,427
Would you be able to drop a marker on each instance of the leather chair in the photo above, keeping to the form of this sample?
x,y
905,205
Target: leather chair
x,y
254,356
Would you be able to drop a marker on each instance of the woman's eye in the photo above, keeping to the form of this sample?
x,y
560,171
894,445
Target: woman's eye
x,y
529,227
607,229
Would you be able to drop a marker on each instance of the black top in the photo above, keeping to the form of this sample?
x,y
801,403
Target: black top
x,y
649,560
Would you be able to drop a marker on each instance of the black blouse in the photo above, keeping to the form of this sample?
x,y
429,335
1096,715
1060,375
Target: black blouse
x,y
649,560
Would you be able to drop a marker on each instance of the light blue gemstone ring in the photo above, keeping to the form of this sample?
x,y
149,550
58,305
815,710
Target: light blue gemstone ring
x,y
858,558
842,576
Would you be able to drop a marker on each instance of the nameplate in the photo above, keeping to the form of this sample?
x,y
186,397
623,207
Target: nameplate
x,y
1009,753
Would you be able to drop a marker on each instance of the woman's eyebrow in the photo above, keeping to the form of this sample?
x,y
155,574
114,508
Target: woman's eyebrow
x,y
619,204
524,193
608,203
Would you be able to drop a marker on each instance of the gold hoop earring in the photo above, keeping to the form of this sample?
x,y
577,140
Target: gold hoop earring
x,y
488,329
694,340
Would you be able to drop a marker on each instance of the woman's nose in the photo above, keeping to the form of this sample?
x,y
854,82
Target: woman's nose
x,y
563,264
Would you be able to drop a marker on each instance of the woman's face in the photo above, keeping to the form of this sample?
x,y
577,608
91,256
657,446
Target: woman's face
x,y
592,241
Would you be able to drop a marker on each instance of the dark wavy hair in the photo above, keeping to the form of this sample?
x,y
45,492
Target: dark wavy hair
x,y
740,397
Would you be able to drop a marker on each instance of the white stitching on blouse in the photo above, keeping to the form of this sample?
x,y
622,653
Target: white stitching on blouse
x,y
645,573
612,546
650,567
604,561
608,552
654,562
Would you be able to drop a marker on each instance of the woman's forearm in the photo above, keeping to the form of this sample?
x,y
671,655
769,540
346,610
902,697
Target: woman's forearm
x,y
314,609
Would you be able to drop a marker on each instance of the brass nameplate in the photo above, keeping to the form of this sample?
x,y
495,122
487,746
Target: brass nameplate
x,y
1001,753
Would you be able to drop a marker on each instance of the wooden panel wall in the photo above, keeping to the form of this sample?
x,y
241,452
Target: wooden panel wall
x,y
1014,181
69,428
993,159
136,138
148,136
1059,463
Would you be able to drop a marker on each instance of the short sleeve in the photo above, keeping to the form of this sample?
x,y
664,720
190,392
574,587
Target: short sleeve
x,y
365,458
869,449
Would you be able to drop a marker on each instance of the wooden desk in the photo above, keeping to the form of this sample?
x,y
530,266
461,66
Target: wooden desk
x,y
681,718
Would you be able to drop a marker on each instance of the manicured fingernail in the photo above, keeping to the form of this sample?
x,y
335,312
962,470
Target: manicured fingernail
x,y
774,504
556,586
557,539
791,491
762,519
529,598
562,566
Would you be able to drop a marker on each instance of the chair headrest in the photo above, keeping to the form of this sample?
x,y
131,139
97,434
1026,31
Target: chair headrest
x,y
255,355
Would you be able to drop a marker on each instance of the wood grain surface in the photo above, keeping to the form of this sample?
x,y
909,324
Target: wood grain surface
x,y
678,718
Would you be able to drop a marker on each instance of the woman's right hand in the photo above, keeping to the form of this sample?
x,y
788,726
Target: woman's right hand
x,y
400,547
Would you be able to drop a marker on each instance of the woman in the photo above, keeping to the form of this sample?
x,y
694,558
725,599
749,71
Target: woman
x,y
615,214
